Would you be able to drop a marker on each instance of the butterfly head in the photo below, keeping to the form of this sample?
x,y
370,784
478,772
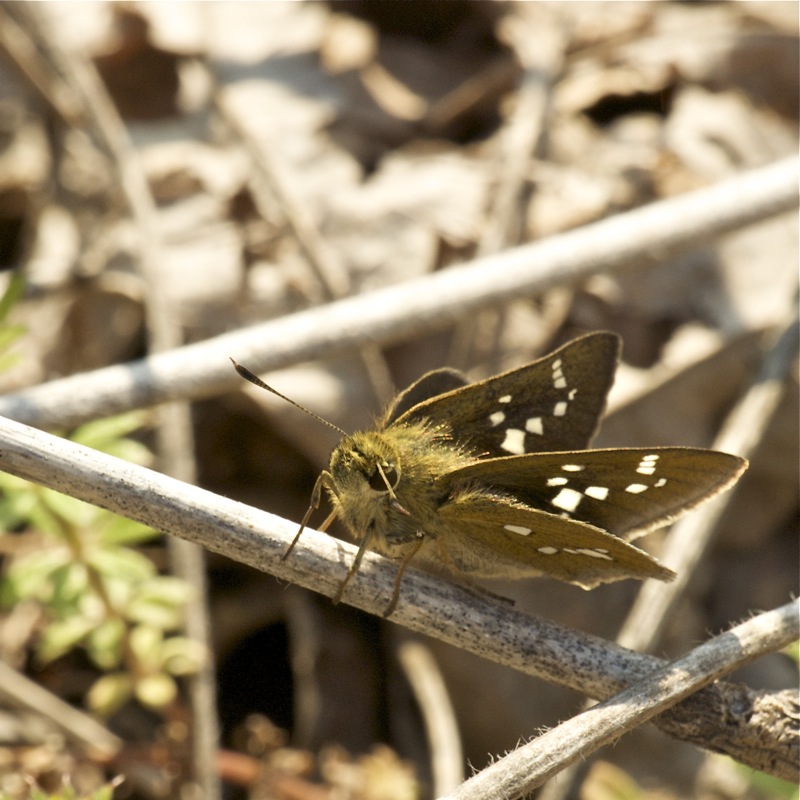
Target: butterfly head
x,y
365,462
365,471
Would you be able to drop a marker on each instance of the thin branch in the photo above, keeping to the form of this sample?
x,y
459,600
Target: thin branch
x,y
430,690
20,47
725,717
76,725
540,49
645,236
532,764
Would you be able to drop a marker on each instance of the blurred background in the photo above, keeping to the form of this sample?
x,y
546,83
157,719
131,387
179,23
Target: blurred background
x,y
296,153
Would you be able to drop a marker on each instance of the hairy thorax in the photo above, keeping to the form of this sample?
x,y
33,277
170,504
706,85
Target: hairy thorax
x,y
384,483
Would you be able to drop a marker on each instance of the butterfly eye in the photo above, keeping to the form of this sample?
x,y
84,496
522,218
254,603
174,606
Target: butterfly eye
x,y
377,482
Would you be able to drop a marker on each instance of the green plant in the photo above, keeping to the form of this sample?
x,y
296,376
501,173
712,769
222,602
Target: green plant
x,y
80,564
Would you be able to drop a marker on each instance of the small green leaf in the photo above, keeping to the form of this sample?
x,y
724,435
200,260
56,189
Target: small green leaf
x,y
122,531
29,576
69,583
157,690
145,643
11,483
100,433
110,692
131,451
76,512
105,642
23,506
154,614
10,518
160,602
182,656
121,563
62,635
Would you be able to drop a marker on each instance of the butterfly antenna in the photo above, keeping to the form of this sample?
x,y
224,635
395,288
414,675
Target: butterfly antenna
x,y
254,379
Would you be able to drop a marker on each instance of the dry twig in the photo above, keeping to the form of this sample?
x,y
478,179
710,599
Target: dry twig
x,y
72,722
441,727
532,764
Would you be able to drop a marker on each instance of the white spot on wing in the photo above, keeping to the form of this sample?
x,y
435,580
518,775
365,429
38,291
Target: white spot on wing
x,y
568,499
522,531
572,467
547,551
597,492
559,381
560,409
506,398
556,481
496,418
636,488
534,425
660,482
587,551
647,466
514,441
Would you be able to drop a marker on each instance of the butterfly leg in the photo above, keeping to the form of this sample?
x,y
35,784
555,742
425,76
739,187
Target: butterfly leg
x,y
316,495
362,548
403,564
401,570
